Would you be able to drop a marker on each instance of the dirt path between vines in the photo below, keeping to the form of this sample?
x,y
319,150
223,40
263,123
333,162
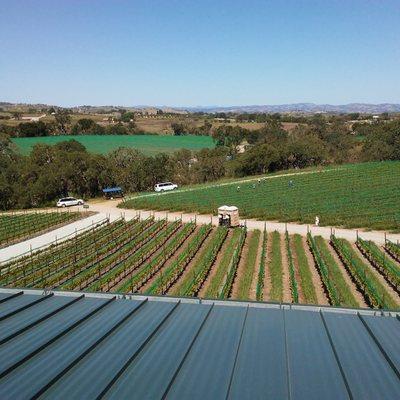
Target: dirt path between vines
x,y
286,291
297,273
267,277
253,288
188,270
214,268
169,261
241,267
394,296
316,279
359,297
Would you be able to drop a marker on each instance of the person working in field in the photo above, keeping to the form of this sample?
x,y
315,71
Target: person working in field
x,y
317,221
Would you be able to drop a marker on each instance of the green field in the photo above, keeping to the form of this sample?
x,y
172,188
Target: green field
x,y
102,144
354,196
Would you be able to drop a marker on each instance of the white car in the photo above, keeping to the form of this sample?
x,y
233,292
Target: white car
x,y
162,187
69,201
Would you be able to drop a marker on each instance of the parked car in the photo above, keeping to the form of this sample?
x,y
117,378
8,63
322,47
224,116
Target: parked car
x,y
162,187
69,201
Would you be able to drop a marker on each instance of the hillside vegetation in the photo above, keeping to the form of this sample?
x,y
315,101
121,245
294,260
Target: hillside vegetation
x,y
355,195
49,172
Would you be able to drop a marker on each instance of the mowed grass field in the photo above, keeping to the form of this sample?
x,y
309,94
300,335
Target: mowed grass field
x,y
353,196
102,144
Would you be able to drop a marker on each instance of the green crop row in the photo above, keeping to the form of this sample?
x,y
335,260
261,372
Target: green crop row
x,y
393,249
94,254
306,283
18,226
116,247
54,247
113,276
380,261
150,269
54,275
346,297
232,268
293,283
117,255
63,252
324,271
261,271
216,285
172,273
191,285
374,291
275,268
142,255
93,250
249,266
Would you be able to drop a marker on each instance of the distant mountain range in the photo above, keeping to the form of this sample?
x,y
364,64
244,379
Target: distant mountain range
x,y
304,108
311,108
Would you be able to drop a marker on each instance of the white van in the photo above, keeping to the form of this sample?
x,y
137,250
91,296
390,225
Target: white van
x,y
69,201
162,187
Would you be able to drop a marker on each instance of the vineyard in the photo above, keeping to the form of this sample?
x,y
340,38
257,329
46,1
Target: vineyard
x,y
18,227
157,257
362,195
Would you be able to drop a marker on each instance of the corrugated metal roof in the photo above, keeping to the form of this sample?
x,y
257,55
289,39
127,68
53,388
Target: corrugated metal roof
x,y
69,345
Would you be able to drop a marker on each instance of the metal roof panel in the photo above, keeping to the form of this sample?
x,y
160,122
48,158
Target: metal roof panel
x,y
313,370
29,316
144,378
17,304
367,372
386,333
261,367
206,371
74,345
111,355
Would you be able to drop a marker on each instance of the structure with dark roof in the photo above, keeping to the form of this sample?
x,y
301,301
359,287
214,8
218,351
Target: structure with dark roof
x,y
113,192
74,346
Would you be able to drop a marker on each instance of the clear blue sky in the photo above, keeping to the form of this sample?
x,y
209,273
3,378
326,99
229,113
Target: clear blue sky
x,y
199,52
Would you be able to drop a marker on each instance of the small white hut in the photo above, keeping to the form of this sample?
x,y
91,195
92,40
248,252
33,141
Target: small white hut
x,y
228,216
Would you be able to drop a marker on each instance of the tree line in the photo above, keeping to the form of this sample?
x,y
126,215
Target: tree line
x,y
67,168
63,125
